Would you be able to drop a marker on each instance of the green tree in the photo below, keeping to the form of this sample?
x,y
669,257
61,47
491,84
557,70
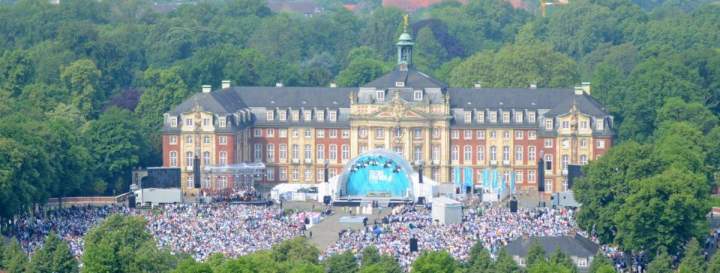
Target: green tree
x,y
536,253
16,260
548,267
714,265
599,263
121,244
430,54
505,262
434,262
480,260
370,256
692,261
662,263
191,266
516,65
298,249
115,142
360,72
560,258
82,80
53,257
341,263
675,110
16,70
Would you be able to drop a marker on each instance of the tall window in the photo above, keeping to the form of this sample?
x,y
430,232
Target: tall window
x,y
519,135
379,133
468,117
282,115
345,152
308,133
480,153
332,153
506,117
206,139
206,158
363,148
518,153
480,134
320,176
257,152
320,133
435,153
600,124
454,153
189,159
333,115
380,96
205,121
493,134
320,152
222,140
493,116
173,159
345,133
548,162
493,153
307,115
173,122
295,115
223,158
467,154
282,174
455,134
583,160
295,133
531,117
480,117
283,152
295,152
222,122
270,132
531,176
270,172
565,161
270,149
518,117
435,133
600,144
417,133
190,183
531,153
565,124
548,143
188,139
506,134
188,122
518,177
532,135
363,132
257,132
417,95
506,153
583,143
173,140
548,124
333,133
270,115
417,153
282,133
308,175
295,175
320,115
308,152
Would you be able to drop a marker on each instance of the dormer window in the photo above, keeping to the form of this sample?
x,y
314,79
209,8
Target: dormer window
x,y
188,122
468,117
399,84
295,115
283,115
222,122
480,117
600,124
307,115
206,121
270,115
493,116
548,124
380,96
518,117
506,117
320,115
418,95
173,122
531,117
333,116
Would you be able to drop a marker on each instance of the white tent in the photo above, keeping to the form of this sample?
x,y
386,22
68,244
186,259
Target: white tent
x,y
294,192
446,211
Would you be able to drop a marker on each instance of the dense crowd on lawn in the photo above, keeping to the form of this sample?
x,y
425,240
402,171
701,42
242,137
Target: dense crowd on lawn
x,y
494,227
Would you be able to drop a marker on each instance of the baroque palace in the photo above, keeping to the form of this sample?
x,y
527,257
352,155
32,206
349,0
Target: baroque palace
x,y
298,131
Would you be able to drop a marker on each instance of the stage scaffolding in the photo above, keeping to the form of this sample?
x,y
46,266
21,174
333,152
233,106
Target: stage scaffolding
x,y
244,175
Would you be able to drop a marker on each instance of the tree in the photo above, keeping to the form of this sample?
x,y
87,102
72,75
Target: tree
x,y
548,267
480,260
121,244
15,259
536,253
714,266
518,65
430,54
676,110
191,266
360,72
434,262
599,263
341,263
53,257
298,249
381,31
662,263
370,256
16,71
560,258
693,261
116,144
82,80
505,263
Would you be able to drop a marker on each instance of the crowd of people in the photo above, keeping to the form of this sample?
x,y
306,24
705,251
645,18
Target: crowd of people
x,y
231,229
494,227
70,224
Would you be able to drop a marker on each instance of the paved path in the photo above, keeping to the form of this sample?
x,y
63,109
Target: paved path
x,y
326,232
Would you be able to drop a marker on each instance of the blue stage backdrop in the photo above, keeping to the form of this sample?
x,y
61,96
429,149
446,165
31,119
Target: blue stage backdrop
x,y
377,175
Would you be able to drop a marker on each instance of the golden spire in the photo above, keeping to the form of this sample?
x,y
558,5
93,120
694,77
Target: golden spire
x,y
405,22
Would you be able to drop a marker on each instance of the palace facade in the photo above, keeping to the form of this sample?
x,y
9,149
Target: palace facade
x,y
296,131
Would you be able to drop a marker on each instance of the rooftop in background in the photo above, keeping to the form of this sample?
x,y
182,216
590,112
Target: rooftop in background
x,y
577,246
305,7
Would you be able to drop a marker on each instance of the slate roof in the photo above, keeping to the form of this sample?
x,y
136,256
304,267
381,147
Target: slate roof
x,y
570,245
509,98
411,78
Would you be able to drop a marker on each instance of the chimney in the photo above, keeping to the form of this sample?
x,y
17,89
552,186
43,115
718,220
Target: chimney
x,y
333,85
586,87
206,88
226,84
533,86
278,84
579,90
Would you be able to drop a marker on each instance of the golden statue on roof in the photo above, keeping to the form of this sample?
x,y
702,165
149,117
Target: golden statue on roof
x,y
405,22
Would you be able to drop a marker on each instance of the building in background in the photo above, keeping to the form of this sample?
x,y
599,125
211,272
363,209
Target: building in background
x,y
461,134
